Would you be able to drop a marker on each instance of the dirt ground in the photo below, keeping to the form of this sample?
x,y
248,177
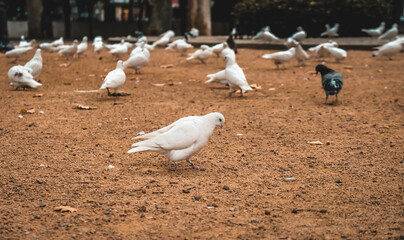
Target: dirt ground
x,y
351,187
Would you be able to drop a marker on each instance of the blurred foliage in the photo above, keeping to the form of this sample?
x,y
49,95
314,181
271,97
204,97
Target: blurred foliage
x,y
283,16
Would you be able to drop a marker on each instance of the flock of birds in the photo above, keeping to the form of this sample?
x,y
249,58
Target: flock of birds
x,y
185,137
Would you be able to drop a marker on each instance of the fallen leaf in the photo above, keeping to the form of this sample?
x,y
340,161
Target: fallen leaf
x,y
64,64
167,66
38,95
84,107
158,84
91,75
315,143
255,86
348,70
271,89
348,67
30,111
65,209
23,111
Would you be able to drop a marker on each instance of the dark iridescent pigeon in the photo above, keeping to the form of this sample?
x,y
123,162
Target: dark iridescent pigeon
x,y
331,80
232,44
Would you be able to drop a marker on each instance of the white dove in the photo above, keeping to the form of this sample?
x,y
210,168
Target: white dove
x,y
20,77
375,32
266,35
137,61
181,45
98,46
281,57
320,50
57,42
337,53
97,39
218,48
201,54
162,42
194,32
46,46
119,51
140,49
24,44
35,64
219,77
331,32
182,139
82,47
299,35
228,52
114,79
264,29
17,53
235,76
390,34
300,54
390,49
69,50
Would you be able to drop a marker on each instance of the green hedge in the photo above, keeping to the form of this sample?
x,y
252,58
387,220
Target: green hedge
x,y
283,16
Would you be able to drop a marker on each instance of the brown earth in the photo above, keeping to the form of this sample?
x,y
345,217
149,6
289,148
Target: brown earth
x,y
350,187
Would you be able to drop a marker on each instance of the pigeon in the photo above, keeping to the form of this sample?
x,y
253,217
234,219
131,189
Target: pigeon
x,y
35,64
337,53
281,57
182,139
82,47
232,44
140,37
46,46
181,45
164,40
140,49
24,44
299,35
331,32
320,50
57,42
235,76
390,34
219,77
193,33
331,81
266,35
300,54
17,53
375,32
119,51
98,46
114,79
69,50
201,54
115,45
137,60
218,48
264,29
227,52
97,39
390,49
20,77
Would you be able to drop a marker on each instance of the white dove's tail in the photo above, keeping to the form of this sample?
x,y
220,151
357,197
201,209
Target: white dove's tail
x,y
246,88
190,58
139,149
267,56
211,78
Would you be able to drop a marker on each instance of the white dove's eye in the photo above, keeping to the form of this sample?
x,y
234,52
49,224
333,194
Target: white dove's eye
x,y
220,119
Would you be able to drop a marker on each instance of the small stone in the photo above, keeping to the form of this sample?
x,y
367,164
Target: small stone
x,y
64,224
202,169
226,187
142,209
289,179
338,181
254,221
106,212
197,198
42,165
111,166
20,116
267,212
159,207
185,191
232,209
42,205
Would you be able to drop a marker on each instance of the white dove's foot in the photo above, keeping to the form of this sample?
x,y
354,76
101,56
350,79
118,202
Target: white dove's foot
x,y
193,166
174,167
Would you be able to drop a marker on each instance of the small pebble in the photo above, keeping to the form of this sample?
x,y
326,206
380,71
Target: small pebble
x,y
41,112
106,212
197,198
338,181
111,166
202,169
232,209
42,205
185,191
159,207
267,212
42,165
226,187
64,224
20,116
289,179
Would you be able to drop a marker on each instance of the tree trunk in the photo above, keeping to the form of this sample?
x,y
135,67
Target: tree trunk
x,y
161,17
34,8
66,13
199,16
90,6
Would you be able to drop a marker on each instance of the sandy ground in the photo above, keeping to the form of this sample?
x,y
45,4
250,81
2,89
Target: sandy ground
x,y
351,187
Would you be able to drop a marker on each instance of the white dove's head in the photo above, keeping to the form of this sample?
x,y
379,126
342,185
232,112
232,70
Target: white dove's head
x,y
299,28
119,64
216,118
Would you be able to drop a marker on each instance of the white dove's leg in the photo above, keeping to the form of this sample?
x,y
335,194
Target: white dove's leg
x,y
174,167
109,93
326,98
192,164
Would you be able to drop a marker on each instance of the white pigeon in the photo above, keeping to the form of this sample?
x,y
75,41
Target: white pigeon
x,y
390,49
114,79
82,47
331,32
69,50
219,77
136,61
390,34
162,42
181,45
300,55
235,76
201,54
20,77
98,46
281,57
299,35
46,46
228,52
17,52
182,139
115,45
35,64
266,35
97,39
320,50
375,32
24,44
119,51
140,49
194,32
218,48
57,42
337,53
264,29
